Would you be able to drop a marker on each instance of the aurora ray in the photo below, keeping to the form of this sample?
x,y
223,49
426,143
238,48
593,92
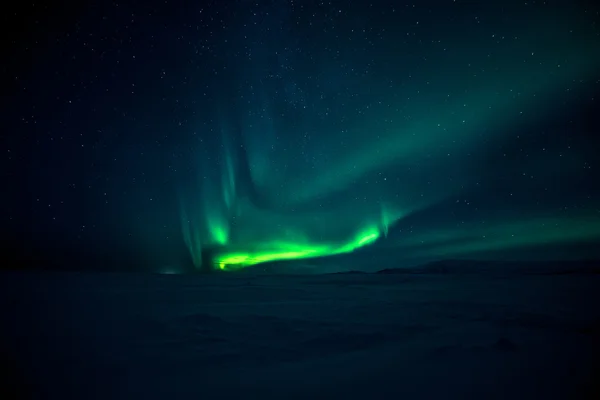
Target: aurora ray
x,y
236,133
268,192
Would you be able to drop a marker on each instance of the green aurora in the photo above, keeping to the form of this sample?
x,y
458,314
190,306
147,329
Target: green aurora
x,y
291,251
413,147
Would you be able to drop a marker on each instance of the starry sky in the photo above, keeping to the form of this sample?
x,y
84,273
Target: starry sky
x,y
344,134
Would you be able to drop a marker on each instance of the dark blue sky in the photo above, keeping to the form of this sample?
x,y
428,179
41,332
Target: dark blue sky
x,y
138,133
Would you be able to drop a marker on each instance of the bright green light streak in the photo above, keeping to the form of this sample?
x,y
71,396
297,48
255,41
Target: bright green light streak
x,y
293,251
368,239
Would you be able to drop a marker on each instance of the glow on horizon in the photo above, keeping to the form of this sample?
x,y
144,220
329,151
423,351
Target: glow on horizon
x,y
293,251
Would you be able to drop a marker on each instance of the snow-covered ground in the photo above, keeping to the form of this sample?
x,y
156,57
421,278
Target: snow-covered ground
x,y
354,336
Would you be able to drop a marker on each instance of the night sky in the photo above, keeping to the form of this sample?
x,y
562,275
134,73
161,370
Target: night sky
x,y
355,133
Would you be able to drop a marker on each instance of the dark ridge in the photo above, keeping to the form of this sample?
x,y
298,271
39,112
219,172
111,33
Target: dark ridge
x,y
398,271
467,267
353,272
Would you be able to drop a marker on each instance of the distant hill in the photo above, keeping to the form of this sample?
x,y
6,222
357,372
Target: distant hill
x,y
463,267
353,272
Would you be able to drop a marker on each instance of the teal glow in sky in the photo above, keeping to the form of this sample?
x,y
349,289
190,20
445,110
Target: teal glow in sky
x,y
330,144
156,135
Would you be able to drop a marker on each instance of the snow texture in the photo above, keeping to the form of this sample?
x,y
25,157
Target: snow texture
x,y
338,336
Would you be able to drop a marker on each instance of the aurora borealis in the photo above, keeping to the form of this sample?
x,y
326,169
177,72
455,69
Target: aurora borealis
x,y
332,157
285,130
